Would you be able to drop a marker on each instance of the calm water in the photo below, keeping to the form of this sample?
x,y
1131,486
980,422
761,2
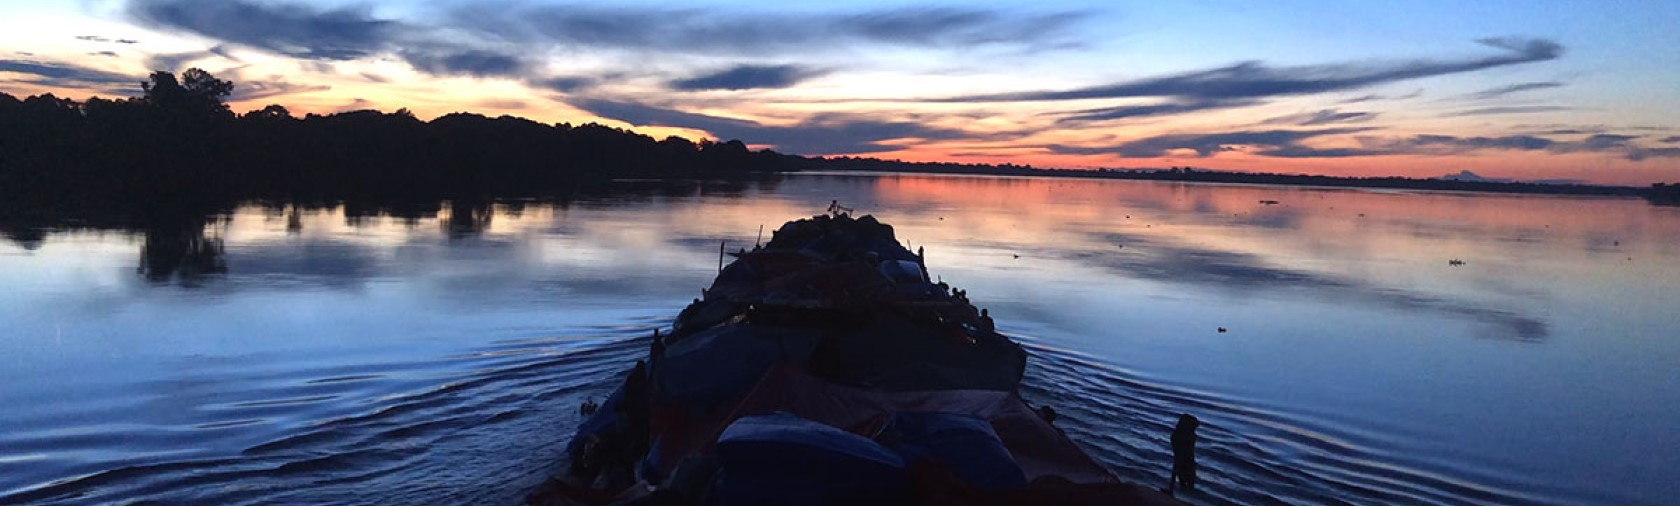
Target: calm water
x,y
440,359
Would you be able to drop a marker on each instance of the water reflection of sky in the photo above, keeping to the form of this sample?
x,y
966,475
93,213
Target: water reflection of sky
x,y
1344,301
1536,362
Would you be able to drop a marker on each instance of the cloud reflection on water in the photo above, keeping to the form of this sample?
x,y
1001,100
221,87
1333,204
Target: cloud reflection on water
x,y
1242,272
1340,302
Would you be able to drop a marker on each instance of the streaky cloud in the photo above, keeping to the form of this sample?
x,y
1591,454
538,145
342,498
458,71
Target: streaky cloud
x,y
1459,144
323,35
1602,142
67,75
1450,144
500,39
1299,151
1374,97
1579,129
757,32
176,62
498,103
1617,143
1640,154
1321,117
250,89
1502,91
105,40
646,115
1253,79
821,134
1271,141
1515,109
469,62
1289,144
355,104
745,77
1145,110
566,84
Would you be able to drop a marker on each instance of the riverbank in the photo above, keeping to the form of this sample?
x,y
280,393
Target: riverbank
x,y
1658,193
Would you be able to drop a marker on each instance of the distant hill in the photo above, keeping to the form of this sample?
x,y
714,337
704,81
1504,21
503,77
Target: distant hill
x,y
1467,176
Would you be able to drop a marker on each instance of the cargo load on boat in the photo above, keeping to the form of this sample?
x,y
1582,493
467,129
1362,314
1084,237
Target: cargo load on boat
x,y
828,367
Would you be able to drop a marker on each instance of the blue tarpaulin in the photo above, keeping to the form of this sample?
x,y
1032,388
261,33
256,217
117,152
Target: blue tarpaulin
x,y
784,459
966,444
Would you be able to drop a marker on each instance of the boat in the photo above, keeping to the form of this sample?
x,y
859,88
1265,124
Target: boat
x,y
827,367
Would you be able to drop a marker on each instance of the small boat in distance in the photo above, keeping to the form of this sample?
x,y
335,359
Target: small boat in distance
x,y
827,367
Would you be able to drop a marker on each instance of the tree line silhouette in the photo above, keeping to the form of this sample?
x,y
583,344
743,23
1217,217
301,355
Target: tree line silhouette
x,y
178,146
1659,193
171,160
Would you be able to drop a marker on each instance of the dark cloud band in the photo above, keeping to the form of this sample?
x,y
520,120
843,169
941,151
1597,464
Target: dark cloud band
x,y
293,30
757,33
1273,143
1502,91
72,76
1290,144
494,39
824,134
745,77
1321,117
1253,80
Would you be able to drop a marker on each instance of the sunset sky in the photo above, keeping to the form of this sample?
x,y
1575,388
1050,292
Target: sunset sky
x,y
1531,90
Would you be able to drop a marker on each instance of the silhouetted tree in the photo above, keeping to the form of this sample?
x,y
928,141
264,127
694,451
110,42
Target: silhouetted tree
x,y
1664,194
271,112
198,94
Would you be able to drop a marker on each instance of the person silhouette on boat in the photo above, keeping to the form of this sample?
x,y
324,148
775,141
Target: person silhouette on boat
x,y
1184,453
636,404
655,352
611,458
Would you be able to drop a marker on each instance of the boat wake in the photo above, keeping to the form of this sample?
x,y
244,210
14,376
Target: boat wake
x,y
480,434
1249,454
490,432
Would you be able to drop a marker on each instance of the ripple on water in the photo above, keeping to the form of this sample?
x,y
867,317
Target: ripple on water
x,y
345,379
490,430
523,395
1250,453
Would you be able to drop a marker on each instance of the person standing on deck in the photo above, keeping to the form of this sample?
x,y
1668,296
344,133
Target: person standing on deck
x,y
1184,453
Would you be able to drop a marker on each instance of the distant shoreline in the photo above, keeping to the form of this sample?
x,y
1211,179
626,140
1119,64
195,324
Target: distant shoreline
x,y
179,150
1658,194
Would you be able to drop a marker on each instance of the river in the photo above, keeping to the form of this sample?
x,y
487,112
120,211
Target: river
x,y
1340,346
